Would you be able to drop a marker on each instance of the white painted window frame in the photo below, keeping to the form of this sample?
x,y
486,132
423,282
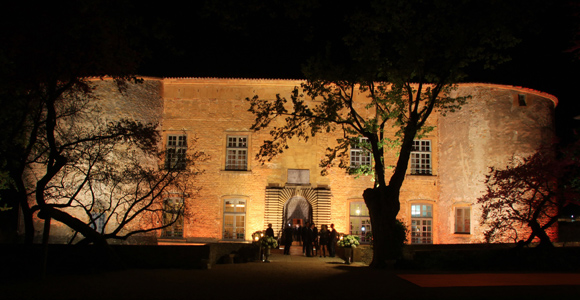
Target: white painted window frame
x,y
237,153
421,223
421,158
360,156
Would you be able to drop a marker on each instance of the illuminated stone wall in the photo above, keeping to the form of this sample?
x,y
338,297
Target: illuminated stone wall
x,y
135,101
211,109
487,131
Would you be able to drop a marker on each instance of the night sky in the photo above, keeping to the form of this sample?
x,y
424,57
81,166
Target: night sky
x,y
230,39
274,47
203,46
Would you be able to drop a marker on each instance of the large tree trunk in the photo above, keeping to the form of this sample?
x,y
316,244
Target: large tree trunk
x,y
45,240
28,223
538,231
19,192
383,204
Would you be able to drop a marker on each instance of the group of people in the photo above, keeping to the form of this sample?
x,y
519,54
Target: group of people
x,y
314,242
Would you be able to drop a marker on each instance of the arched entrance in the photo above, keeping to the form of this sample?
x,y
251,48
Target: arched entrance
x,y
304,202
297,211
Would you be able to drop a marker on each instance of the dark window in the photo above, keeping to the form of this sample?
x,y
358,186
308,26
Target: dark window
x,y
522,100
176,152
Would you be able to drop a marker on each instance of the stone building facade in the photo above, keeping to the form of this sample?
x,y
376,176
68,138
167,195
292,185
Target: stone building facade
x,y
240,196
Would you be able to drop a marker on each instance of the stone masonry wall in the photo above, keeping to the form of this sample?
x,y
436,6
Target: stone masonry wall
x,y
137,101
488,131
208,109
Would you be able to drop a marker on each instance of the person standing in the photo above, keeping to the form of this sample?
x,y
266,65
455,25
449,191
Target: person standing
x,y
288,232
314,240
309,239
269,233
304,235
323,241
333,238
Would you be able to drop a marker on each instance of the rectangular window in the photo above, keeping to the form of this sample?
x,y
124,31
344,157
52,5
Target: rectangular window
x,y
522,100
98,221
237,153
360,154
462,219
176,152
421,157
173,217
360,221
421,224
234,219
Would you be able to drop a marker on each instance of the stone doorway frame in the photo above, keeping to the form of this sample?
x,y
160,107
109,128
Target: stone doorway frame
x,y
276,198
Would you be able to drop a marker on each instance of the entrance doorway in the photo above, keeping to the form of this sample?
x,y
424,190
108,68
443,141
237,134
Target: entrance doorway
x,y
297,213
306,204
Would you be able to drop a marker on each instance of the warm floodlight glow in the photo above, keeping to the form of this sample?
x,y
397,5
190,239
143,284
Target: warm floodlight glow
x,y
358,211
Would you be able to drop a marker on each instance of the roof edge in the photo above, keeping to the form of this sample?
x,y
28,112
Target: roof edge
x,y
513,87
297,81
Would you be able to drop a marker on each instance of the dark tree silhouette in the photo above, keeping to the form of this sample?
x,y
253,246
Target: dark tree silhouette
x,y
111,184
523,201
55,158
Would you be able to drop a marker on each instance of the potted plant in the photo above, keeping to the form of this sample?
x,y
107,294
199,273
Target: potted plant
x,y
348,242
267,243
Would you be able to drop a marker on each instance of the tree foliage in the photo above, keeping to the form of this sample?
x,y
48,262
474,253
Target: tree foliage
x,y
336,109
391,64
112,174
57,155
84,167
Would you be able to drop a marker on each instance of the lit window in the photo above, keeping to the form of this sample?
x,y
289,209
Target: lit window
x,y
98,216
98,221
173,217
360,154
237,153
234,219
421,157
176,151
462,219
360,222
421,224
